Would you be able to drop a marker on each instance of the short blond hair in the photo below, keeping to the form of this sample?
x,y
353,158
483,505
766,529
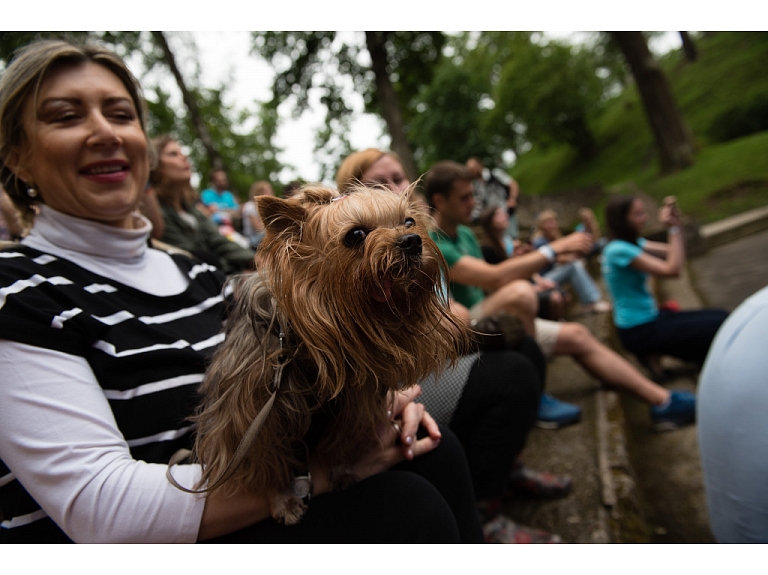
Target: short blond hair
x,y
355,165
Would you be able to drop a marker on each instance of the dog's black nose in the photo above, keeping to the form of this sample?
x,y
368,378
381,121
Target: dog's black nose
x,y
410,244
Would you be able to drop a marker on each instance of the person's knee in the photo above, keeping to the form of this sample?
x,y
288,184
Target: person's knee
x,y
519,294
575,338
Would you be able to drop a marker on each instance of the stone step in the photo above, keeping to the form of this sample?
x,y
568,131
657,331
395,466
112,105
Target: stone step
x,y
603,506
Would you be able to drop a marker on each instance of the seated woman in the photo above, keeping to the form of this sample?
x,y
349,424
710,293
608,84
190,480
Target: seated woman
x,y
104,342
567,268
490,399
498,245
185,226
628,262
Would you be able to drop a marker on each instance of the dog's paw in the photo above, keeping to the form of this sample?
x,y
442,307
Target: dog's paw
x,y
287,509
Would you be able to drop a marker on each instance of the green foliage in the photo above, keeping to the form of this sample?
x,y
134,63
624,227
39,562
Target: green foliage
x,y
727,75
741,120
320,61
447,125
552,90
316,61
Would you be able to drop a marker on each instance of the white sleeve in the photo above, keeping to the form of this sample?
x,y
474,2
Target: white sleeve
x,y
59,438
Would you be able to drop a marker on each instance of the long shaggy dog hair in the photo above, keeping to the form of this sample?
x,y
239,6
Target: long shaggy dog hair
x,y
353,284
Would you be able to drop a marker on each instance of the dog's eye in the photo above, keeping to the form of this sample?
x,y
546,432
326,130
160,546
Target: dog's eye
x,y
355,237
409,222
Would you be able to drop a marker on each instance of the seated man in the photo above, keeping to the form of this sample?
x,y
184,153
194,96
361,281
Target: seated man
x,y
448,187
219,202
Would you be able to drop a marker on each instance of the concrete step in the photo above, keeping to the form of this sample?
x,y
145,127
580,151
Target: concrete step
x,y
604,506
735,227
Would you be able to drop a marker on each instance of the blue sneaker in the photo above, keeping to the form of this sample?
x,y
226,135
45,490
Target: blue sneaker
x,y
554,414
679,410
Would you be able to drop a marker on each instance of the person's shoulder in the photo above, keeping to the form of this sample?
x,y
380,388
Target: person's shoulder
x,y
207,195
465,231
620,248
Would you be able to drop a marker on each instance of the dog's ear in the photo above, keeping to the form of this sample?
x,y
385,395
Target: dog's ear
x,y
279,215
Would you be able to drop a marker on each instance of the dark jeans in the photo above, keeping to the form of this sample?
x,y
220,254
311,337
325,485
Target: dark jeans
x,y
686,335
427,500
497,410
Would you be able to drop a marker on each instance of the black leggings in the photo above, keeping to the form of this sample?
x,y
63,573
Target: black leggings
x,y
496,411
427,500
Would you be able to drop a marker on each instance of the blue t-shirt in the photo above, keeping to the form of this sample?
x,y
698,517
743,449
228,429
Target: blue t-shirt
x,y
224,200
633,303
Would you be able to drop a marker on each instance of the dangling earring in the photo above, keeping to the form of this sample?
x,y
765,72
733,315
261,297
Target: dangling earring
x,y
32,192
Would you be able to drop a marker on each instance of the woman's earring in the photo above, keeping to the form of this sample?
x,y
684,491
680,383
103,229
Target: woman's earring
x,y
32,192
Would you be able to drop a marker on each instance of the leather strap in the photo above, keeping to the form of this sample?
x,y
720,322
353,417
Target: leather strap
x,y
245,443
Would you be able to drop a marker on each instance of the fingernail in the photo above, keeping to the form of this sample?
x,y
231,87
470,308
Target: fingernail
x,y
409,440
409,454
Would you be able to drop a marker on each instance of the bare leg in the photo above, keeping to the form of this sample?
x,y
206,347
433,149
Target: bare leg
x,y
605,364
516,298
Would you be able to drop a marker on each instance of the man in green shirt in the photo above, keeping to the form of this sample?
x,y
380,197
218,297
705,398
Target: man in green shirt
x,y
449,191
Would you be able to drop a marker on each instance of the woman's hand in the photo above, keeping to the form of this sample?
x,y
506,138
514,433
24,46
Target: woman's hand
x,y
577,242
669,212
409,416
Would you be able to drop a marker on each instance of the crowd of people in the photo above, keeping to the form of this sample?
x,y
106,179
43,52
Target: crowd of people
x,y
113,294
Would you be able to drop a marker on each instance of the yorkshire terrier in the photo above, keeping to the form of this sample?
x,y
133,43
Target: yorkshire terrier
x,y
346,308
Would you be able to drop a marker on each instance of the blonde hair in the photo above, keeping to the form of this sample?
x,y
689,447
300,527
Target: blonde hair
x,y
355,165
22,80
543,217
259,189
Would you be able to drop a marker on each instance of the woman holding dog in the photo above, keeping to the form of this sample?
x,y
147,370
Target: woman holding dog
x,y
103,342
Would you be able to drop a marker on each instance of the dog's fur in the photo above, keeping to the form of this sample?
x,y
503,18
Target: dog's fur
x,y
353,282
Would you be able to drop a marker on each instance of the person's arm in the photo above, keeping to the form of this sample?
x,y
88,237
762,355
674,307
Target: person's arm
x,y
469,270
61,442
669,267
512,195
658,249
672,258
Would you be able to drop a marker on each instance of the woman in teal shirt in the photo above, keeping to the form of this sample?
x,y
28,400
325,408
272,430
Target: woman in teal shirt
x,y
628,261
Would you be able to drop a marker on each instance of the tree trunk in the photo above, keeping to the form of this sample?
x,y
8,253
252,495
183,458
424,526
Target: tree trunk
x,y
673,139
689,48
189,101
390,107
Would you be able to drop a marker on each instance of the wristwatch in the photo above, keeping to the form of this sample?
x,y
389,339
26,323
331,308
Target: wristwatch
x,y
302,487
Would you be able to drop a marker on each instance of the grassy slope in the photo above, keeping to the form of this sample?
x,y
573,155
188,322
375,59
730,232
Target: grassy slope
x,y
726,178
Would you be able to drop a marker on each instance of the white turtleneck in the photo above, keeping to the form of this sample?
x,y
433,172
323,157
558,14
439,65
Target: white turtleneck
x,y
59,435
119,254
